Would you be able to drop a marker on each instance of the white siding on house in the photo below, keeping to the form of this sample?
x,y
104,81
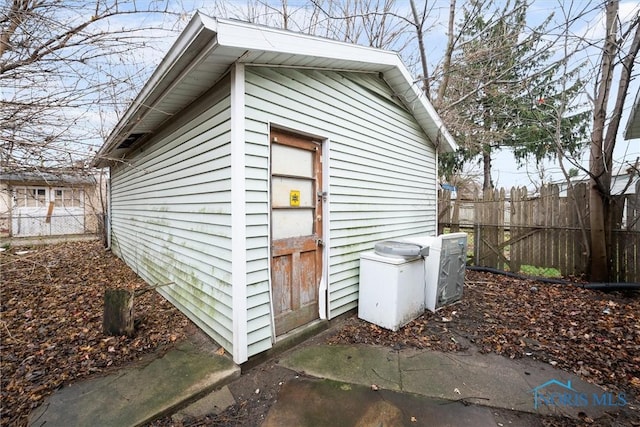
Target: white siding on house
x,y
257,219
382,174
171,213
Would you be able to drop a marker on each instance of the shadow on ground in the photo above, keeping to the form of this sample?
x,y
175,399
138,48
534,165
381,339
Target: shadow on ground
x,y
317,402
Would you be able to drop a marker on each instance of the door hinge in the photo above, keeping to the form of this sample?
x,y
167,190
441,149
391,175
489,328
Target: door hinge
x,y
319,242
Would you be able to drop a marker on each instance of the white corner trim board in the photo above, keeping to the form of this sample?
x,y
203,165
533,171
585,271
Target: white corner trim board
x,y
238,216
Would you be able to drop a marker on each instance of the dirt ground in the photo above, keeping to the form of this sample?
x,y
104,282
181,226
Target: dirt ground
x,y
51,332
51,321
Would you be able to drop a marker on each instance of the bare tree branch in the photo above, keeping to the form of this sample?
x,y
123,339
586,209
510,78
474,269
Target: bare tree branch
x,y
58,62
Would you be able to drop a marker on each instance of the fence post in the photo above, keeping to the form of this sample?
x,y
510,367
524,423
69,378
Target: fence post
x,y
444,210
477,238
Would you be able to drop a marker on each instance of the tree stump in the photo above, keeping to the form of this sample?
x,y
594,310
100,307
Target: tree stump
x,y
118,312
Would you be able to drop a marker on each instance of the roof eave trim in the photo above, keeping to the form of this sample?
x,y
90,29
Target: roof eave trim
x,y
245,35
443,140
198,24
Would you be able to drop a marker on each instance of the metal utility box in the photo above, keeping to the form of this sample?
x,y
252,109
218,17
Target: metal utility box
x,y
445,269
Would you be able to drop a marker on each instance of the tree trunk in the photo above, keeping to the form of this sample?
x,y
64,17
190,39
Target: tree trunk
x,y
486,162
118,312
448,54
599,188
423,53
599,270
604,136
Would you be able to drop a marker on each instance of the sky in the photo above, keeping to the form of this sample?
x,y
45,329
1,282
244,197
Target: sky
x,y
591,26
506,172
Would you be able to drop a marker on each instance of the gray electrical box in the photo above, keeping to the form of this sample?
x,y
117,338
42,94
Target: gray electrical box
x,y
445,270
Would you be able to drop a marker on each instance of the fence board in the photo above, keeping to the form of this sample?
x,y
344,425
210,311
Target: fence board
x,y
633,210
516,215
554,194
546,231
563,236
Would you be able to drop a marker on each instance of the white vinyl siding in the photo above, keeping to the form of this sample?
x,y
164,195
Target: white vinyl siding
x,y
257,216
171,200
382,170
171,213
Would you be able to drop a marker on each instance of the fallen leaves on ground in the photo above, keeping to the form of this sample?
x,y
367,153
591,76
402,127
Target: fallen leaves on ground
x,y
51,325
594,334
52,306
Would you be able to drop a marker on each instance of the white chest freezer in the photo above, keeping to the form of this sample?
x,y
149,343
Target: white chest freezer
x,y
391,285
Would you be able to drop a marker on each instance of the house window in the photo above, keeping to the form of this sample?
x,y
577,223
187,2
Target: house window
x,y
30,197
68,197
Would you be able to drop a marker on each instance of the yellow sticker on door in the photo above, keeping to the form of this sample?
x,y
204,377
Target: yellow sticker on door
x,y
294,198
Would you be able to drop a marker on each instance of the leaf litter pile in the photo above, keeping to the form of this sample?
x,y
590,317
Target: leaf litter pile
x,y
51,326
594,334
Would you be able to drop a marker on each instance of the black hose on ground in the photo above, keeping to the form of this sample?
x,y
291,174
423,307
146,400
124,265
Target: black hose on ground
x,y
593,286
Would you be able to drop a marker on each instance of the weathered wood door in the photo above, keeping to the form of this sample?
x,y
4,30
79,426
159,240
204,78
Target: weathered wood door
x,y
296,229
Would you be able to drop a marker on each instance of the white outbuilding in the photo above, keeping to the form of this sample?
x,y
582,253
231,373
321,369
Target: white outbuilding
x,y
256,165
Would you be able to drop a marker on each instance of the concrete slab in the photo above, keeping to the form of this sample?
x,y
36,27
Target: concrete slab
x,y
213,403
137,395
490,379
331,403
484,379
364,365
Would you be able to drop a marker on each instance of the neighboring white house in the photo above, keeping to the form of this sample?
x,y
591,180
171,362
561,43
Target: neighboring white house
x,y
257,164
620,184
632,211
633,125
54,203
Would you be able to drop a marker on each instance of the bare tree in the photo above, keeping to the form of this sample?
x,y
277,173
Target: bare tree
x,y
551,114
59,62
375,23
618,58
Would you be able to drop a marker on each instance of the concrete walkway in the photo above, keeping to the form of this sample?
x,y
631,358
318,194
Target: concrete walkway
x,y
136,395
482,379
329,403
368,385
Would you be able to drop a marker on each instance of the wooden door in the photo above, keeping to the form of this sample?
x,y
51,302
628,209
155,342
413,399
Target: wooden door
x,y
296,229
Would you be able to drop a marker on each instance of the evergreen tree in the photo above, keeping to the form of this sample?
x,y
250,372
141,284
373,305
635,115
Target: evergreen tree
x,y
505,91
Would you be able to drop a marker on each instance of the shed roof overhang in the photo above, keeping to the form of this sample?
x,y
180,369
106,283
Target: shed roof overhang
x,y
62,179
206,49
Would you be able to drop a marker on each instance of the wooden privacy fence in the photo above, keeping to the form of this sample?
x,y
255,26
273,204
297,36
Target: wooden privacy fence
x,y
513,229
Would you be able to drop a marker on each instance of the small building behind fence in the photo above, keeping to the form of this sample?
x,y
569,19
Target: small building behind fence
x,y
52,203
